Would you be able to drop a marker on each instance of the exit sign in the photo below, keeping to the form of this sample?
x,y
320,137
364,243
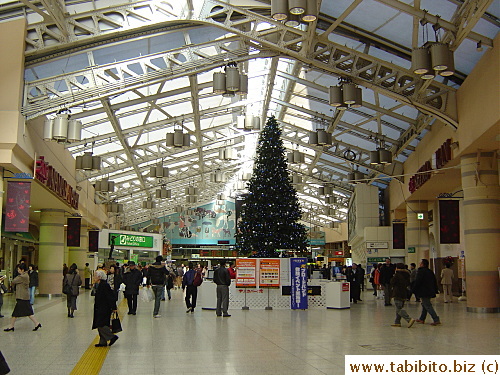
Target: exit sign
x,y
420,216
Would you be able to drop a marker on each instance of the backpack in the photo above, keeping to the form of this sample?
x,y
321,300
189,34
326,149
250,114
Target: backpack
x,y
197,279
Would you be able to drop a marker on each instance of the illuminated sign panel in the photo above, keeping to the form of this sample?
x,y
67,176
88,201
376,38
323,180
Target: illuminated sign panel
x,y
130,240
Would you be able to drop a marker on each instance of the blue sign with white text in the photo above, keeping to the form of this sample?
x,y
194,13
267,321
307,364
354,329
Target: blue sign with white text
x,y
298,275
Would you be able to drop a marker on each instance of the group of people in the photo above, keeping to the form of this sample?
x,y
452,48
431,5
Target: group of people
x,y
398,283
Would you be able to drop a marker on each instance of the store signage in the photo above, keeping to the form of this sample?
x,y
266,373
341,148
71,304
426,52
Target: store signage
x,y
269,273
375,260
48,176
339,253
345,287
298,293
411,250
246,273
377,245
441,157
131,240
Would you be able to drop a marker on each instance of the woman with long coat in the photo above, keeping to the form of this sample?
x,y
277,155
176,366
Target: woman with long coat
x,y
104,306
73,279
23,305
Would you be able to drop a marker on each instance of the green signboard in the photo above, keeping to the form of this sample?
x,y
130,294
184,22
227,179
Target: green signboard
x,y
130,240
411,250
375,260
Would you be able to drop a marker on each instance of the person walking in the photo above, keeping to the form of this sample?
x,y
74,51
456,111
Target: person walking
x,y
386,273
114,279
352,276
23,306
223,280
132,278
446,282
104,306
191,290
2,292
180,274
426,288
87,274
170,284
157,277
74,280
413,276
33,274
399,286
372,279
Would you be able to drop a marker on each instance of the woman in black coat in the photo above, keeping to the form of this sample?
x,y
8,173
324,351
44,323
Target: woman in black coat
x,y
104,305
73,279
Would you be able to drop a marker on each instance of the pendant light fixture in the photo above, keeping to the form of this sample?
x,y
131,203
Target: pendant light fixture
x,y
432,57
380,155
227,153
248,122
320,137
292,12
218,176
114,207
163,193
104,186
88,162
62,128
148,204
296,157
178,139
178,209
230,82
345,95
158,171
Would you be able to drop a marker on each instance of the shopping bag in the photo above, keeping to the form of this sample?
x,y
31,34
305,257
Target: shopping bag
x,y
116,325
146,295
122,287
4,367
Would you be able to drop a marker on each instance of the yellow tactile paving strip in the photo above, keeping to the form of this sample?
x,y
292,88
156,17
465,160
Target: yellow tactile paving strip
x,y
92,360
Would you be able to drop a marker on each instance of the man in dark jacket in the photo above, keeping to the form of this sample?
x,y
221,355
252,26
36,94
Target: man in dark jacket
x,y
426,288
132,278
104,305
354,276
191,290
157,276
223,280
399,285
386,273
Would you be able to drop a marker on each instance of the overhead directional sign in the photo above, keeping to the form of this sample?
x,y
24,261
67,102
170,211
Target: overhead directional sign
x,y
134,240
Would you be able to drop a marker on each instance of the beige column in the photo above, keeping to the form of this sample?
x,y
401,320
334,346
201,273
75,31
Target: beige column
x,y
481,230
417,231
78,255
51,250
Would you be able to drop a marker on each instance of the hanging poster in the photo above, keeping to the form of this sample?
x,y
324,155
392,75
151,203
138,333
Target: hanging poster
x,y
17,208
246,273
298,292
269,273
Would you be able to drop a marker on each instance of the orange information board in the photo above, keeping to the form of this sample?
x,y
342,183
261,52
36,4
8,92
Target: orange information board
x,y
269,273
246,273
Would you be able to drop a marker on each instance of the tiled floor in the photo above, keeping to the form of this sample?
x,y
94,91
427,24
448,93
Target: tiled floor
x,y
250,342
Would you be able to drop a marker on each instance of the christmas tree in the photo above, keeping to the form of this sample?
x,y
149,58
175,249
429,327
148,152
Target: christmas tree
x,y
270,211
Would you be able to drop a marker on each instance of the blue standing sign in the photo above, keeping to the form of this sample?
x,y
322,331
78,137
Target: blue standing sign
x,y
298,274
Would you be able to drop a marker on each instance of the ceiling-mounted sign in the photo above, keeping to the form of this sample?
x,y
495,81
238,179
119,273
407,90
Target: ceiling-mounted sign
x,y
377,245
133,240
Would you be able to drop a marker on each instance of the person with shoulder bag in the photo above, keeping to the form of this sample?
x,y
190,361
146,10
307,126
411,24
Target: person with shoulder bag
x,y
191,289
72,282
3,290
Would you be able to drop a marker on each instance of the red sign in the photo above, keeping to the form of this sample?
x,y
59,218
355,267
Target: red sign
x,y
345,287
49,177
246,273
269,273
442,155
340,253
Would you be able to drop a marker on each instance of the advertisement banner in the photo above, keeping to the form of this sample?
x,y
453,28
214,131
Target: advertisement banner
x,y
298,292
17,208
269,273
246,273
73,232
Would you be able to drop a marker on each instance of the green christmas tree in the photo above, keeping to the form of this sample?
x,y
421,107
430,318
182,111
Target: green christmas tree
x,y
270,211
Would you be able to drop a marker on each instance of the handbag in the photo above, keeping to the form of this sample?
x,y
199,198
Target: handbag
x,y
197,279
4,367
4,288
94,290
68,289
116,325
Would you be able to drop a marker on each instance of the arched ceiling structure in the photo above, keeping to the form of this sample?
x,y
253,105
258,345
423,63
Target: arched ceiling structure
x,y
134,71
